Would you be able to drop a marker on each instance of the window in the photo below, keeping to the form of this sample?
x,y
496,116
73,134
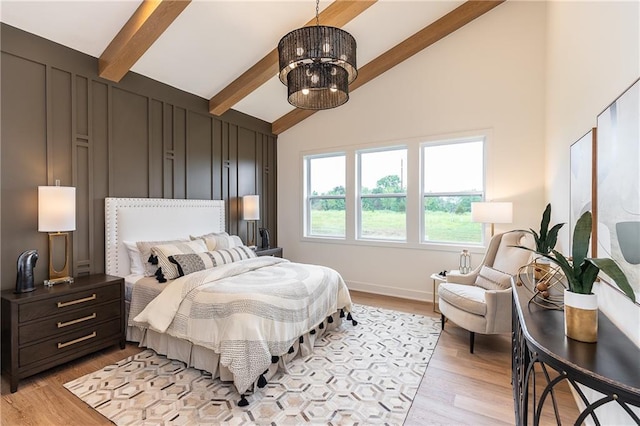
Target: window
x,y
452,178
382,192
325,195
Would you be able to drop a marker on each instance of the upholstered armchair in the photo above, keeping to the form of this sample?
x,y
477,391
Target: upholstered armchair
x,y
480,301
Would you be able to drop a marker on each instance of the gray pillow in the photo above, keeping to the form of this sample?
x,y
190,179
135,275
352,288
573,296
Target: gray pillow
x,y
189,263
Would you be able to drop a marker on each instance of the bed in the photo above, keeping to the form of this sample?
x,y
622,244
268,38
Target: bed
x,y
242,320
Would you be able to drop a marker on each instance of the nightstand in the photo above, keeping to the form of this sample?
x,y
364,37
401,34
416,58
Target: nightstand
x,y
273,251
53,325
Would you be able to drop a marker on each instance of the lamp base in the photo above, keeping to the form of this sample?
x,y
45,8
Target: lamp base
x,y
53,281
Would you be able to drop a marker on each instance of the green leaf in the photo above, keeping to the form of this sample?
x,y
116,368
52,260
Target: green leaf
x,y
566,267
581,236
589,273
544,224
611,268
552,237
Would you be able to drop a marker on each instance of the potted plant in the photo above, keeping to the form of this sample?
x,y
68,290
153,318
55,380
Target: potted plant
x,y
545,242
581,309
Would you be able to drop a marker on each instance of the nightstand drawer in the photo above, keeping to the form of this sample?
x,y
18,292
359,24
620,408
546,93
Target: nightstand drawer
x,y
69,321
68,302
69,342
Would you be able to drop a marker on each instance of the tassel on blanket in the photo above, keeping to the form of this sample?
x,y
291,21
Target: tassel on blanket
x,y
153,260
330,319
321,326
262,382
349,316
341,313
275,359
243,401
354,322
313,331
301,340
291,350
160,276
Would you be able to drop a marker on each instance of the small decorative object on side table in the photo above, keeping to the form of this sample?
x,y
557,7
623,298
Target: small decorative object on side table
x,y
437,278
50,326
273,251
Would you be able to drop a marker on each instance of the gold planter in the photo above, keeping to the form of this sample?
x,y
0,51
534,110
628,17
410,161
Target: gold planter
x,y
581,316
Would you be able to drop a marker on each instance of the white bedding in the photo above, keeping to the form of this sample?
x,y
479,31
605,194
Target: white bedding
x,y
247,311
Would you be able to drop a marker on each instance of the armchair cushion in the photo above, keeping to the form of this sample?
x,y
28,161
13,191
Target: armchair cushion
x,y
508,258
492,279
464,297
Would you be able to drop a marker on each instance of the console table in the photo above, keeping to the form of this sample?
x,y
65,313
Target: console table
x,y
611,366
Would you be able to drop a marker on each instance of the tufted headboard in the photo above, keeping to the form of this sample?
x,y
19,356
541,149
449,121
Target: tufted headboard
x,y
153,219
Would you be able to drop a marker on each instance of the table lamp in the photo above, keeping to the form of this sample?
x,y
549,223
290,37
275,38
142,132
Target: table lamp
x,y
57,216
251,213
492,212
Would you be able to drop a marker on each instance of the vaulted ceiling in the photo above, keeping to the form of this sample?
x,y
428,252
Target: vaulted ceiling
x,y
225,50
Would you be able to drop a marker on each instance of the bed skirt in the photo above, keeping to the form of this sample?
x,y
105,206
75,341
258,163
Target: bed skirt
x,y
206,359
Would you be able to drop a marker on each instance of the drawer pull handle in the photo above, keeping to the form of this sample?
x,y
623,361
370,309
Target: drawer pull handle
x,y
73,302
75,321
78,340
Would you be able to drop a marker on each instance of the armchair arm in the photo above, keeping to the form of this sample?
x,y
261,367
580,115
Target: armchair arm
x,y
498,310
458,278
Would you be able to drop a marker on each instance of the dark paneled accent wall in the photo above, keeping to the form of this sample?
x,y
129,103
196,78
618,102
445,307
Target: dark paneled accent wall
x,y
136,138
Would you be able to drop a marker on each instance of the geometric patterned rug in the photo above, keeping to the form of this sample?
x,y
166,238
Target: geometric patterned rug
x,y
367,374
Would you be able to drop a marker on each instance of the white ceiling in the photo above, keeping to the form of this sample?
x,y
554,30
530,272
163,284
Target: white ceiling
x,y
213,42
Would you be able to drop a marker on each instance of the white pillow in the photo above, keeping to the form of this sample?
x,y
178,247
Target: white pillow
x,y
144,247
492,279
168,270
219,240
137,267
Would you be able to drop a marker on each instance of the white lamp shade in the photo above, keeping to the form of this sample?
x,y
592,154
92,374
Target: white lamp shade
x,y
492,212
251,207
56,208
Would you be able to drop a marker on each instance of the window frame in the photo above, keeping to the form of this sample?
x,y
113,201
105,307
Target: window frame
x,y
479,137
308,198
360,196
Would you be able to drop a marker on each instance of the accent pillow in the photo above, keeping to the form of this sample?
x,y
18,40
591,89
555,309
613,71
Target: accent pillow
x,y
190,263
219,240
135,262
492,279
166,269
144,247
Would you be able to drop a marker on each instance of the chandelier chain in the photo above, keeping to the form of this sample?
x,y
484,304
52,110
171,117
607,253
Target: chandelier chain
x,y
317,12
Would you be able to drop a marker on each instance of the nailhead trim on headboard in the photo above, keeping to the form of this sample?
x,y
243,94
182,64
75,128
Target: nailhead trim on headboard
x,y
114,207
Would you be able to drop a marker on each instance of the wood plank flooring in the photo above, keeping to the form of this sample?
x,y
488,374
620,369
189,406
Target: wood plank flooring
x,y
458,387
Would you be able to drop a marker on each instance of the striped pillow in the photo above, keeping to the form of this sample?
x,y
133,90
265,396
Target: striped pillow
x,y
190,263
144,247
166,269
492,279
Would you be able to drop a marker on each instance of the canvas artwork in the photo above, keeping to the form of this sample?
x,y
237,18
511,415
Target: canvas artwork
x,y
581,180
618,156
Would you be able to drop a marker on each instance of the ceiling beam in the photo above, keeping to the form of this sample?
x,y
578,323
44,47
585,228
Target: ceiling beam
x,y
424,38
144,27
336,14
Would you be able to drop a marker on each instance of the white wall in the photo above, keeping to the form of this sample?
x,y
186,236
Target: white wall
x,y
593,55
488,75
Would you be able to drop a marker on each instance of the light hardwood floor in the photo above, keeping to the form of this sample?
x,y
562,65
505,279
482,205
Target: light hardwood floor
x,y
457,388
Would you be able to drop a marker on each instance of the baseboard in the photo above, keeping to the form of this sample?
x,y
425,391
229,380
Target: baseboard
x,y
423,296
